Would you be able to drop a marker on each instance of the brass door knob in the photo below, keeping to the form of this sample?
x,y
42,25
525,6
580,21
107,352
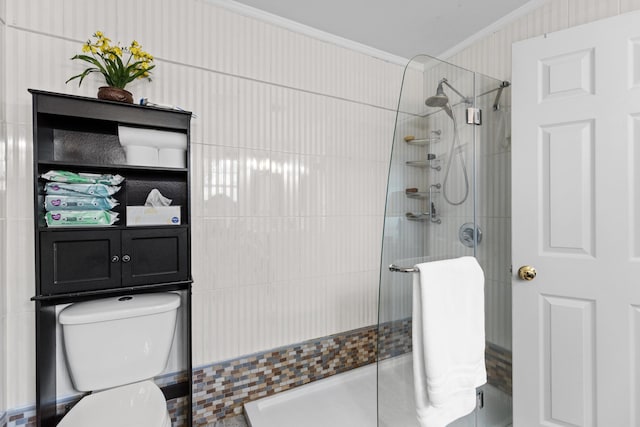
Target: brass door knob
x,y
526,272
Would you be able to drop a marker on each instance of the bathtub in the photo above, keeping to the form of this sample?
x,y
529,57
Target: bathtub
x,y
349,400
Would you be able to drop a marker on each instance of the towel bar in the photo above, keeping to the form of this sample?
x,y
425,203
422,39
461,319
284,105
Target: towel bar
x,y
397,269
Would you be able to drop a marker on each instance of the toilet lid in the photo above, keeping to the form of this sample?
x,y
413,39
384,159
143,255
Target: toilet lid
x,y
139,404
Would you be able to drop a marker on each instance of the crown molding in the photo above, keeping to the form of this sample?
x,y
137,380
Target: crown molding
x,y
297,27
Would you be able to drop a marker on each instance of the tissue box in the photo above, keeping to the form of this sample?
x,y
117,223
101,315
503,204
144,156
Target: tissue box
x,y
146,215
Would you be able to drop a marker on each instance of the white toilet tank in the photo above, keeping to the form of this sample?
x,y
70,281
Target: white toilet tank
x,y
116,341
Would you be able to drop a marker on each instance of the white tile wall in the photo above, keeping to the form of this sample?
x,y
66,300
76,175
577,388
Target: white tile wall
x,y
3,318
629,5
3,49
290,154
3,213
20,357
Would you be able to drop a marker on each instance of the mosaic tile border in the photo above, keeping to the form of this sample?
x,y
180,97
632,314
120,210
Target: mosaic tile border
x,y
178,411
499,368
394,338
25,417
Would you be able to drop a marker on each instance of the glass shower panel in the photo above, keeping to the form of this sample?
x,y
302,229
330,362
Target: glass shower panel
x,y
493,168
431,212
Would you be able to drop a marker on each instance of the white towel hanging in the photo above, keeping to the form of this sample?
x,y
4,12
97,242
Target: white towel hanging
x,y
448,339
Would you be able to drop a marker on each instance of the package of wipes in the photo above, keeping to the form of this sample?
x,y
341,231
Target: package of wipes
x,y
65,188
80,218
82,178
62,202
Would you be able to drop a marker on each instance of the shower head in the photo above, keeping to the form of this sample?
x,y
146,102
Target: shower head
x,y
440,99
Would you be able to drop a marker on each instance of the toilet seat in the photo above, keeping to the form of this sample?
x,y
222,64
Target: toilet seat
x,y
140,404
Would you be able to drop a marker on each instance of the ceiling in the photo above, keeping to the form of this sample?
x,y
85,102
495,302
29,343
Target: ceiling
x,y
401,27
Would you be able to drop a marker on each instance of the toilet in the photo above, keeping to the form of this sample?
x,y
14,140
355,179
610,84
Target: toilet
x,y
114,347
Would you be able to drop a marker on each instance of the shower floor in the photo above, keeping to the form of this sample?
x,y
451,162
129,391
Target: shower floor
x,y
349,400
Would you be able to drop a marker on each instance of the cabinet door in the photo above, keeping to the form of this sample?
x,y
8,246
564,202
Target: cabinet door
x,y
154,256
72,261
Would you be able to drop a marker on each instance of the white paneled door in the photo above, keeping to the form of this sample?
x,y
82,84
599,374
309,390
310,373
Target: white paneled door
x,y
576,219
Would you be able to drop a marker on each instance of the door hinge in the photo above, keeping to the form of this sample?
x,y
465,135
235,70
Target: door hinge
x,y
474,116
480,399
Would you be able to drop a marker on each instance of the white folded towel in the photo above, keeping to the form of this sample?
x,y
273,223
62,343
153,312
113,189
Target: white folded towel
x,y
448,339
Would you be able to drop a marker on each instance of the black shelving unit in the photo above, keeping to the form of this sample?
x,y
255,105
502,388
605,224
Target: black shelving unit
x,y
76,264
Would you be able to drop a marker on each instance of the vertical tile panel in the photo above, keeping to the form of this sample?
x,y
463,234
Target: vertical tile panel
x,y
284,189
252,250
199,269
215,181
47,20
284,249
502,56
82,18
556,15
255,183
199,339
29,72
3,360
254,104
3,180
20,380
3,67
634,357
19,170
19,272
316,247
583,11
629,5
222,113
537,22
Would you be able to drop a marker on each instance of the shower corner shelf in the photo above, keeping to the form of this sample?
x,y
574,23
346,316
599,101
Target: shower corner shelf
x,y
418,163
421,195
421,216
422,141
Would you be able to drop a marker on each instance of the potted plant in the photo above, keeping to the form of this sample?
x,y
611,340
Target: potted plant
x,y
109,60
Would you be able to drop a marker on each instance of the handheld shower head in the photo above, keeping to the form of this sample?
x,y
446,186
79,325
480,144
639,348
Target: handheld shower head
x,y
440,100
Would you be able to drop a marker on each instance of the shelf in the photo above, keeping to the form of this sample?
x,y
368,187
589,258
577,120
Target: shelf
x,y
420,216
423,141
112,227
84,263
73,106
418,195
86,295
111,167
418,163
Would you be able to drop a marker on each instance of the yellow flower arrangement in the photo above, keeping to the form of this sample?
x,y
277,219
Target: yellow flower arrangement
x,y
108,60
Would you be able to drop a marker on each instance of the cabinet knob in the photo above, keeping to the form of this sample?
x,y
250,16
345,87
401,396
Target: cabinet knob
x,y
126,258
115,258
